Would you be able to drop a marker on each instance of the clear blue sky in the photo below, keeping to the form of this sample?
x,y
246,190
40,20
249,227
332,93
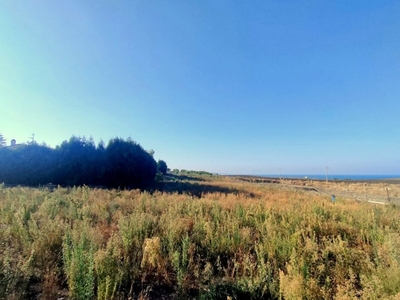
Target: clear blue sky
x,y
256,87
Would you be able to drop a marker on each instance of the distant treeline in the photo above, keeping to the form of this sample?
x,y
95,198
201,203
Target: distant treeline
x,y
122,163
191,172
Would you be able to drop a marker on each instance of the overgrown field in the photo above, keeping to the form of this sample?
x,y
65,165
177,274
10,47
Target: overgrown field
x,y
229,240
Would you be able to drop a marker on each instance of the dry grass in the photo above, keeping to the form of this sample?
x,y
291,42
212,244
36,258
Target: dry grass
x,y
255,242
388,191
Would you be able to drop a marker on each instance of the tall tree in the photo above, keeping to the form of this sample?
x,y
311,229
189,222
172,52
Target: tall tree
x,y
2,140
162,167
27,164
77,162
128,165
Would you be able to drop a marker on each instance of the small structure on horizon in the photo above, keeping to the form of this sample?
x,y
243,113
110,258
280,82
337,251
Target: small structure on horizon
x,y
13,142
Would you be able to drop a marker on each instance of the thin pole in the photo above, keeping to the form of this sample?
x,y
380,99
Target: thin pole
x,y
32,138
327,174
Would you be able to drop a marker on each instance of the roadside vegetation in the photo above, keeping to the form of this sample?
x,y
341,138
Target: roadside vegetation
x,y
226,240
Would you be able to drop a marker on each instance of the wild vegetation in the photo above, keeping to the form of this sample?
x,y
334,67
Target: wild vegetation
x,y
228,240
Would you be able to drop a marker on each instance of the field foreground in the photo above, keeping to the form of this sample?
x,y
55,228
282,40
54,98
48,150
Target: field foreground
x,y
200,237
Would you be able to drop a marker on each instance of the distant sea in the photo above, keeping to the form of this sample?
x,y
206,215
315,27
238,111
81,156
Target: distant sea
x,y
333,177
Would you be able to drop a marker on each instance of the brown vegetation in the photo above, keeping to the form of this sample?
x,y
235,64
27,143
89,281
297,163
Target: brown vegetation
x,y
368,190
240,241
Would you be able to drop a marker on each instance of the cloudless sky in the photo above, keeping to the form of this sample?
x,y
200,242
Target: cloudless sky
x,y
255,87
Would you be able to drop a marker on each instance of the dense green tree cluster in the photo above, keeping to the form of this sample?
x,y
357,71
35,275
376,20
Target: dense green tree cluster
x,y
162,167
122,163
193,172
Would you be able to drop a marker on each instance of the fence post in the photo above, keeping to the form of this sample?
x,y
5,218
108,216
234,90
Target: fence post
x,y
387,191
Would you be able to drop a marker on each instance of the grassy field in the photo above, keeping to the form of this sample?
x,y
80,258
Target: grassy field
x,y
368,190
204,237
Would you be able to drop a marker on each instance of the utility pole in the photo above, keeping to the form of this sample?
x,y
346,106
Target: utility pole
x,y
327,174
33,138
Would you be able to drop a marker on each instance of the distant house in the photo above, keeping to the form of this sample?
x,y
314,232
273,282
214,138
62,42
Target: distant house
x,y
14,145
